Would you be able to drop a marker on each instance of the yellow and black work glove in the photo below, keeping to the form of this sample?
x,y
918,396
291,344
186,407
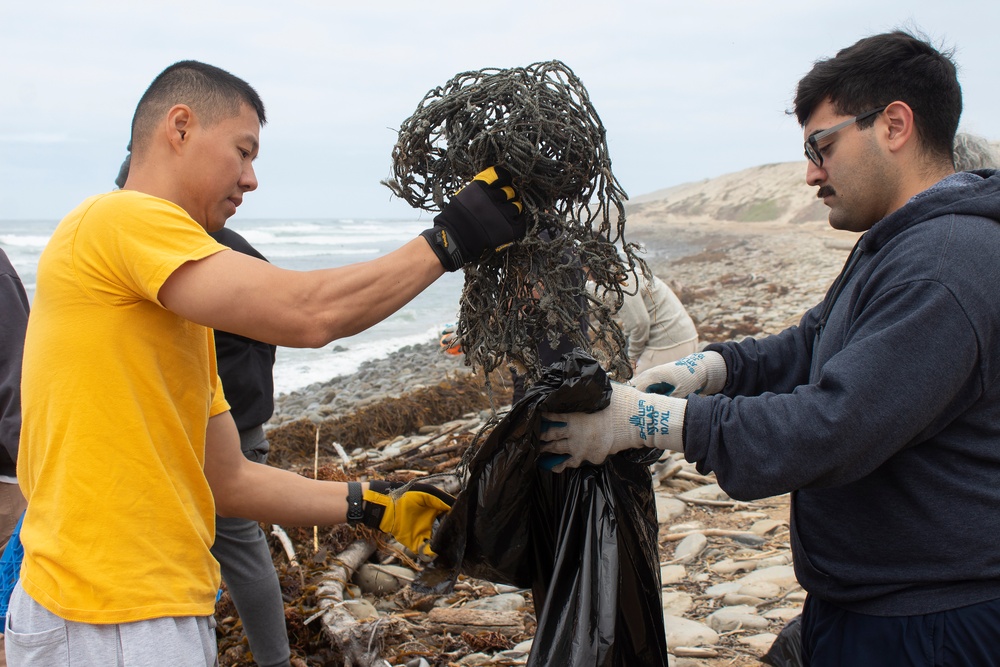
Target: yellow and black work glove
x,y
408,516
484,215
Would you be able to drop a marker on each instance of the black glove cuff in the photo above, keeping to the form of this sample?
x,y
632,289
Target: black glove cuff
x,y
355,503
445,247
373,512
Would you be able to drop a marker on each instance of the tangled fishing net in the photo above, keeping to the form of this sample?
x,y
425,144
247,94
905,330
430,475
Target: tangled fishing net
x,y
538,122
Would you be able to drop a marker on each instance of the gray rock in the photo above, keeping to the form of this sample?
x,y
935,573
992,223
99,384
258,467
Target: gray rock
x,y
510,657
748,539
761,589
730,566
685,527
707,492
690,547
672,574
782,613
767,526
685,632
676,603
782,575
726,588
759,643
668,508
382,579
739,617
523,647
360,609
502,602
738,599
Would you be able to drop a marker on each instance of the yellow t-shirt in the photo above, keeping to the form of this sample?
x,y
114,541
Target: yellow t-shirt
x,y
116,396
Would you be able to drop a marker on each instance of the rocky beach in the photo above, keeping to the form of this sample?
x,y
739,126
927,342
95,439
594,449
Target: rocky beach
x,y
756,264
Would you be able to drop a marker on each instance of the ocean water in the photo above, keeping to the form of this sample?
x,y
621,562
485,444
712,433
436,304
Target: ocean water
x,y
303,245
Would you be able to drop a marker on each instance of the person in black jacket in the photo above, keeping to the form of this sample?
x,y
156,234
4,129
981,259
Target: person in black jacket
x,y
880,411
13,321
245,367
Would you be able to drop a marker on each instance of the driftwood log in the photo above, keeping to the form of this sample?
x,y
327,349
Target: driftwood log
x,y
357,640
476,621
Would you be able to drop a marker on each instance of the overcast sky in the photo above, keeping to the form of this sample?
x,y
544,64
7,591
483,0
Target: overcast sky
x,y
687,90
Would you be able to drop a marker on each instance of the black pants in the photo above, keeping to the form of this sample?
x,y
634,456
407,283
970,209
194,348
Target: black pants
x,y
963,637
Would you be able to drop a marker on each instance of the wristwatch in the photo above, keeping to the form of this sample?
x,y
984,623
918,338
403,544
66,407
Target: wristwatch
x,y
355,508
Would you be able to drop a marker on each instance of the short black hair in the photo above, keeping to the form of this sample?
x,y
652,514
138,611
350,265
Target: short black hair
x,y
211,92
884,68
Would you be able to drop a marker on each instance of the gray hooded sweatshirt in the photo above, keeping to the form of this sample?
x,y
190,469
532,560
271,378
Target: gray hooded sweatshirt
x,y
880,412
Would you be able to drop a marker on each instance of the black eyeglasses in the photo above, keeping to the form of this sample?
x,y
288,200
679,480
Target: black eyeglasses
x,y
812,143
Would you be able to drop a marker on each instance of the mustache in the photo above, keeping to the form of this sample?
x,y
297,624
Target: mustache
x,y
825,191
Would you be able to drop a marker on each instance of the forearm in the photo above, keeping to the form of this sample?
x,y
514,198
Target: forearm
x,y
777,363
233,292
260,492
887,389
351,299
248,296
264,493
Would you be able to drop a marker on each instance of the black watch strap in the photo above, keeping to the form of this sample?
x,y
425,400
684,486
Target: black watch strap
x,y
355,503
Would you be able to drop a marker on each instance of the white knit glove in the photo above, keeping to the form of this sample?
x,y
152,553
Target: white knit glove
x,y
633,419
698,373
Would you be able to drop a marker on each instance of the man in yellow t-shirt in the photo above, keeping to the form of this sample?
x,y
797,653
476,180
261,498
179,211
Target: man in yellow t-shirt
x,y
127,447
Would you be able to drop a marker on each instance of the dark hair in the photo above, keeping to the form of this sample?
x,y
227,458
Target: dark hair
x,y
211,92
884,68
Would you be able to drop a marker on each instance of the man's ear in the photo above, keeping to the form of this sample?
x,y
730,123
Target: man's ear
x,y
179,120
900,129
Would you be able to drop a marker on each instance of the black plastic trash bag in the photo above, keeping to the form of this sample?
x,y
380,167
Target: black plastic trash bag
x,y
583,540
786,650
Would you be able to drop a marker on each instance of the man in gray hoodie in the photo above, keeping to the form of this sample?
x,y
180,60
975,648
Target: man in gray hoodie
x,y
880,411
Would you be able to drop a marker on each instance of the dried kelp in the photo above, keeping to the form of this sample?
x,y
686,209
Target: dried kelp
x,y
539,123
293,443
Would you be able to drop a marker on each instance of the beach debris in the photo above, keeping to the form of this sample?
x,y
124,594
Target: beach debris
x,y
407,625
538,122
285,543
359,641
366,426
719,576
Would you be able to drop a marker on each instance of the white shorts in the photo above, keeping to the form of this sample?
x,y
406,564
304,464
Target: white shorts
x,y
35,636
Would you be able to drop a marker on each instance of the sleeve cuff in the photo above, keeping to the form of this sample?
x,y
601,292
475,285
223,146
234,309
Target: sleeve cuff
x,y
716,372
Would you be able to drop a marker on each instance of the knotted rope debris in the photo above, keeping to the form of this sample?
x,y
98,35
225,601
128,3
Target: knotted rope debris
x,y
538,122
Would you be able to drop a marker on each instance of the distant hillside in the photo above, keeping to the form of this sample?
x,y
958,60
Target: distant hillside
x,y
769,193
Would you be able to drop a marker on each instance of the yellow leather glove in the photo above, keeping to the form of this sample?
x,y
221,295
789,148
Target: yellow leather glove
x,y
483,216
408,516
499,178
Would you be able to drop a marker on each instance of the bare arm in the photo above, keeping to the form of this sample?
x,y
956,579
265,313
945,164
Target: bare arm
x,y
244,295
256,491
